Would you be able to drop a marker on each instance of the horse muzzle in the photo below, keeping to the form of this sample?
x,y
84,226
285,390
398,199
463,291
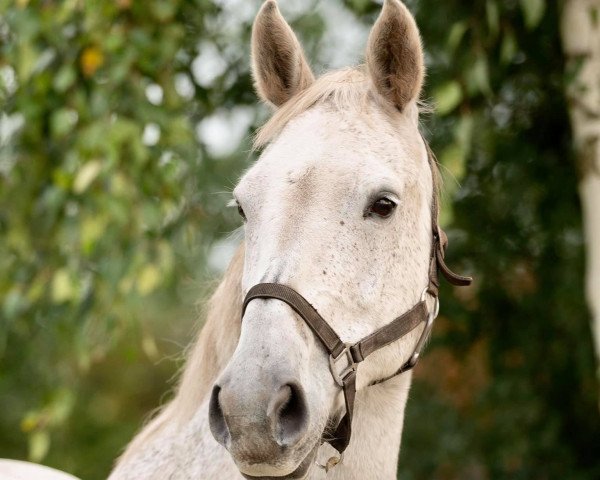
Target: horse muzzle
x,y
263,425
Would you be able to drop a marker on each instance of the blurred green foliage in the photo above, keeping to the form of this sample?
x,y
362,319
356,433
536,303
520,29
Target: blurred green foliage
x,y
518,397
108,211
111,204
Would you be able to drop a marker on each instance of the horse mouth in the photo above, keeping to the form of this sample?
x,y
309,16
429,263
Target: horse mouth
x,y
297,474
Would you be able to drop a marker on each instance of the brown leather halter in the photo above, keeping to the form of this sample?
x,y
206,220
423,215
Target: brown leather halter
x,y
353,354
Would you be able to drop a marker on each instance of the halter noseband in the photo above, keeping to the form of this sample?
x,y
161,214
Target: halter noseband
x,y
353,354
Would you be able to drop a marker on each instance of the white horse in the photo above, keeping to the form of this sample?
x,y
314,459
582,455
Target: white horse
x,y
338,207
17,470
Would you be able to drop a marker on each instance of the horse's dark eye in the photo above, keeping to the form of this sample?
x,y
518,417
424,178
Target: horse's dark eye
x,y
382,207
241,212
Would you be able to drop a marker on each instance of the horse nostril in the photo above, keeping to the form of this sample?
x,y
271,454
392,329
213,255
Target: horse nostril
x,y
216,420
288,414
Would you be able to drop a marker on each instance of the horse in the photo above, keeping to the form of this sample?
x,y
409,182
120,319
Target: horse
x,y
19,470
338,207
340,236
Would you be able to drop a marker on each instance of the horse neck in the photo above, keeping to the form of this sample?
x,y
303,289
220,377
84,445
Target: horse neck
x,y
376,432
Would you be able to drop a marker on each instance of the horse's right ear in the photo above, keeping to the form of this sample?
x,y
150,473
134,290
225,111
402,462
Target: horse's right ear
x,y
395,56
278,64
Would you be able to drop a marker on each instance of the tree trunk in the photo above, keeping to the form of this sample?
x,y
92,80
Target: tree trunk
x,y
581,41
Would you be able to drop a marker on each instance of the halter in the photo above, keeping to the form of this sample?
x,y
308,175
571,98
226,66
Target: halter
x,y
350,355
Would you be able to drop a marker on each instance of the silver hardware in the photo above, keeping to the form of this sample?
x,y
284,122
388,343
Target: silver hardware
x,y
414,358
436,305
339,375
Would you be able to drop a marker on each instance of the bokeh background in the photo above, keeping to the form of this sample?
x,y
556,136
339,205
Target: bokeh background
x,y
123,127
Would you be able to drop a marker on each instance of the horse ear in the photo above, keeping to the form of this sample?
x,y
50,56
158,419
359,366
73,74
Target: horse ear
x,y
278,64
395,56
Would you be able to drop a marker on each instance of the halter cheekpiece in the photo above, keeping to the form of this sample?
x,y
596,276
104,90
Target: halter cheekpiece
x,y
344,358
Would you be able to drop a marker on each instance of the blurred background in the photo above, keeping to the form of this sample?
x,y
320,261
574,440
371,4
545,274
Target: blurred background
x,y
125,124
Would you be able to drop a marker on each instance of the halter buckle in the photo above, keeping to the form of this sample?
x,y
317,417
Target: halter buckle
x,y
340,375
414,358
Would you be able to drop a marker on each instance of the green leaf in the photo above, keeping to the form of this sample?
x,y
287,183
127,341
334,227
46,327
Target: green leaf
x,y
65,78
62,121
150,348
456,34
86,175
493,16
361,6
62,286
13,303
148,279
447,97
39,445
463,130
533,11
92,229
61,406
509,47
26,61
477,77
163,10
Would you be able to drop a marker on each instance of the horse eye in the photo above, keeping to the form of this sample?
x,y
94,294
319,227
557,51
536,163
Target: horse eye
x,y
382,207
241,212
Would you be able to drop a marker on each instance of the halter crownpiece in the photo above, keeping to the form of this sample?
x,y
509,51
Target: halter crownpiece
x,y
344,358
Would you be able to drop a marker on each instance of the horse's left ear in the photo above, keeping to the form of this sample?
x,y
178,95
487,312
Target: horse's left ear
x,y
395,56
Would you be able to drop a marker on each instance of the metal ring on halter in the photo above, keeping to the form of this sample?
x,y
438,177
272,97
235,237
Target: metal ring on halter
x,y
414,358
332,462
436,305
